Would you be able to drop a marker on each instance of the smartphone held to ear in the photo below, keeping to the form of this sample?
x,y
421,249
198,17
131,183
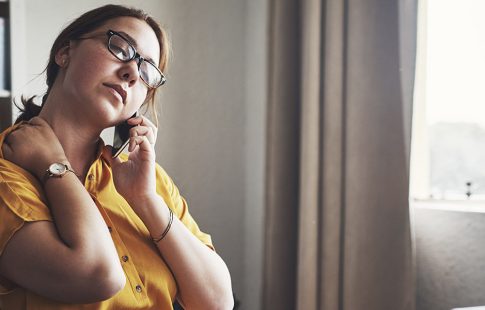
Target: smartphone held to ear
x,y
121,137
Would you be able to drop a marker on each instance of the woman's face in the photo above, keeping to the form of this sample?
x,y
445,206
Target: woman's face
x,y
102,87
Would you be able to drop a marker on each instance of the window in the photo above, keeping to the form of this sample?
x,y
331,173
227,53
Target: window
x,y
448,159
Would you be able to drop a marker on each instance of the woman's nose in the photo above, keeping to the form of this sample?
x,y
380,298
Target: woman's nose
x,y
129,72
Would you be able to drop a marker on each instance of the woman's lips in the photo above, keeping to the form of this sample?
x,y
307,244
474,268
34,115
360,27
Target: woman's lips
x,y
118,90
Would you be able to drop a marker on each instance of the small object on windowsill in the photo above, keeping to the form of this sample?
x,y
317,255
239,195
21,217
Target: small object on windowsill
x,y
3,92
468,189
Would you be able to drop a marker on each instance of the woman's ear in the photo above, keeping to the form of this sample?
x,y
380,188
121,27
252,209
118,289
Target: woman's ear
x,y
62,56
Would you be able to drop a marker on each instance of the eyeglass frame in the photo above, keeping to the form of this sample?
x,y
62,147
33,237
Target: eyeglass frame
x,y
136,56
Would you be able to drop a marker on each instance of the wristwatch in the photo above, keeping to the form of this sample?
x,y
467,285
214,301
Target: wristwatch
x,y
57,170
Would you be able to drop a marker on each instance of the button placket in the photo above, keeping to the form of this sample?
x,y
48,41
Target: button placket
x,y
131,272
132,275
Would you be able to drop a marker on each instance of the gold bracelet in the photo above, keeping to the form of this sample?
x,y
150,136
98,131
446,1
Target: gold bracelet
x,y
165,232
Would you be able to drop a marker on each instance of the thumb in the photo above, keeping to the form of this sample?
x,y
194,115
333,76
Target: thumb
x,y
6,151
109,158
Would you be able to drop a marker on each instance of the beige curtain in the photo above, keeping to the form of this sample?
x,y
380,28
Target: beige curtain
x,y
337,219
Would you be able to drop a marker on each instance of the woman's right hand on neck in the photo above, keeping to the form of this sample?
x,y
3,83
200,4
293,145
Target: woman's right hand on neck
x,y
71,258
33,146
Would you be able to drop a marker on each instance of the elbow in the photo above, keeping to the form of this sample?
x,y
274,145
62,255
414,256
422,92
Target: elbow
x,y
106,281
221,304
96,282
222,301
222,297
103,276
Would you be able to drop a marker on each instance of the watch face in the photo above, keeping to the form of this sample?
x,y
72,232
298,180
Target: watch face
x,y
57,169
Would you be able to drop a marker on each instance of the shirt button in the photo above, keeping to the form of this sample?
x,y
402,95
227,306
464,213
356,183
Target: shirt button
x,y
91,177
138,288
125,259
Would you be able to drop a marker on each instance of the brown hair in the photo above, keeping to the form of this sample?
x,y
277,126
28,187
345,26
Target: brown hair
x,y
84,24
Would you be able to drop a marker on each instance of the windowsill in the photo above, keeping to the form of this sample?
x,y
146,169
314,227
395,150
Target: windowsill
x,y
449,205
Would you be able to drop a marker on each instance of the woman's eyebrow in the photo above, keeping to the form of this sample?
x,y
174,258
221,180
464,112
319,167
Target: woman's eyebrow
x,y
129,38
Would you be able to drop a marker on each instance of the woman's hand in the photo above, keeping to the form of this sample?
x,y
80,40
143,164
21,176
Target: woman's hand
x,y
33,146
135,178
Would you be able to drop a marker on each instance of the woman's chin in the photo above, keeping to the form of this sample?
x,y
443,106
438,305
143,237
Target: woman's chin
x,y
110,115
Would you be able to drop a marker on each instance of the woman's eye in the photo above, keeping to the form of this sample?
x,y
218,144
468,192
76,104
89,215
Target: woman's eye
x,y
120,52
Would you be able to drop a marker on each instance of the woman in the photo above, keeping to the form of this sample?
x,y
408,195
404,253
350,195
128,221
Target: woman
x,y
80,229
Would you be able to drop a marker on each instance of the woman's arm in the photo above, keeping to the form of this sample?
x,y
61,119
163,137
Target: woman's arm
x,y
202,277
74,260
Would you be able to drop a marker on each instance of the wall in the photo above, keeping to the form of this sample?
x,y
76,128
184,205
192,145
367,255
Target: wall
x,y
212,121
450,255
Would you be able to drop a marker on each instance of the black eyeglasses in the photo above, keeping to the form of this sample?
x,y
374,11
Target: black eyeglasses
x,y
123,50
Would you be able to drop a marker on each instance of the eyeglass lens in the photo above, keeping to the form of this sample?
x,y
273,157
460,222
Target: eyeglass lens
x,y
124,51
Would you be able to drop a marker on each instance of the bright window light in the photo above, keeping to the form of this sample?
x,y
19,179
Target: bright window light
x,y
452,70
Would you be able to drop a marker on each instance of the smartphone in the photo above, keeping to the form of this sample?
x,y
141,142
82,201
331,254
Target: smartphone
x,y
121,137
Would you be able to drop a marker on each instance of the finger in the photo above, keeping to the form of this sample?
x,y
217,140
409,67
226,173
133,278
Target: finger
x,y
22,131
143,131
7,147
12,137
37,121
22,126
134,141
141,141
107,155
6,140
143,121
6,150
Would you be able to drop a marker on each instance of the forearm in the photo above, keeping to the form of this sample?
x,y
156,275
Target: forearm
x,y
71,259
77,219
202,276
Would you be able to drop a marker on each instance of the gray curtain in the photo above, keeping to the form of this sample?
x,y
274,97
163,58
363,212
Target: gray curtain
x,y
339,118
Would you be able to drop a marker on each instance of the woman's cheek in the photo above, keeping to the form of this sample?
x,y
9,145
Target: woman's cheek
x,y
142,95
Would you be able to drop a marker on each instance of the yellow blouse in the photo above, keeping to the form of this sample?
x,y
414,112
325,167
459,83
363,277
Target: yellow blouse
x,y
149,284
